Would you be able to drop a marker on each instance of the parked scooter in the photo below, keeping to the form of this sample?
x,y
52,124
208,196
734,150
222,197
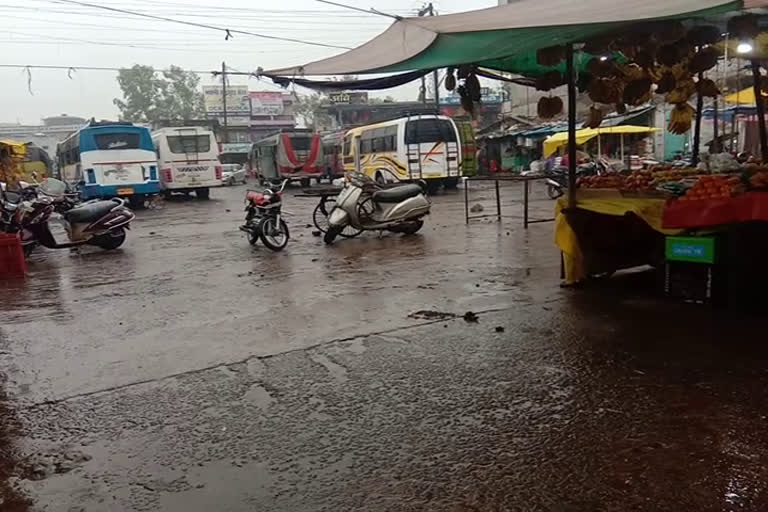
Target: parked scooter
x,y
557,178
363,205
263,218
102,223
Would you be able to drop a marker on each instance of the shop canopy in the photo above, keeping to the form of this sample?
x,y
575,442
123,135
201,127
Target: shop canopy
x,y
743,97
558,140
504,38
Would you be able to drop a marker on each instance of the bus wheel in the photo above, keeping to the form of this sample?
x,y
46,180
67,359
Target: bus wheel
x,y
306,182
451,183
380,178
136,202
432,187
203,193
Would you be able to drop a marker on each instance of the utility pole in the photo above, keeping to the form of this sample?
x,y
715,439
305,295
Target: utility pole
x,y
429,9
434,73
225,137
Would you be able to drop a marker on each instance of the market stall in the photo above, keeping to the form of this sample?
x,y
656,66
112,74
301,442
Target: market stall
x,y
621,55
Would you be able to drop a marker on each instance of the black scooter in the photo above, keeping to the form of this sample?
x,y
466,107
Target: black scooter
x,y
102,223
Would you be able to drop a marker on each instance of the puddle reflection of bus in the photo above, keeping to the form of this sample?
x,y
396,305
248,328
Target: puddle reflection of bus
x,y
295,154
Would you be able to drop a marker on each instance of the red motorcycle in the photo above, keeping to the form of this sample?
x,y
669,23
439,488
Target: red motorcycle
x,y
263,218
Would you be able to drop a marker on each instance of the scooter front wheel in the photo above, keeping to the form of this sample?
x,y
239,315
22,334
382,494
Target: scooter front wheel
x,y
274,236
332,233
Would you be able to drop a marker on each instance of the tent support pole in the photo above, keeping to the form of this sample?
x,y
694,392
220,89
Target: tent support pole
x,y
571,77
599,148
760,108
621,139
697,126
716,136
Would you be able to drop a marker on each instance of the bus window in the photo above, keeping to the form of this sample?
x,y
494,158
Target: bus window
x,y
189,143
117,140
301,143
429,130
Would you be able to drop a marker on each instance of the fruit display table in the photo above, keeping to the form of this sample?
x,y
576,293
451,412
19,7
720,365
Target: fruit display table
x,y
749,207
608,231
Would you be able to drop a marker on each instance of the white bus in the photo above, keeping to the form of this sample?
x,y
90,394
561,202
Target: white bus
x,y
419,147
108,159
189,160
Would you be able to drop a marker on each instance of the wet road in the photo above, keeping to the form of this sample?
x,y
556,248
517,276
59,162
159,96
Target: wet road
x,y
190,372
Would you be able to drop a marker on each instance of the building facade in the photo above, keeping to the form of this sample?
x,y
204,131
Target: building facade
x,y
251,115
46,135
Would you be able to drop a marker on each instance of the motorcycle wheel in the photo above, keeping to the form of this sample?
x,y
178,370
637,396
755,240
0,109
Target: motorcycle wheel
x,y
554,192
332,233
111,240
273,236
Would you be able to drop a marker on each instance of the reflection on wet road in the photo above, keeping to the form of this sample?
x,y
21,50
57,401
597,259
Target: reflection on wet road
x,y
189,372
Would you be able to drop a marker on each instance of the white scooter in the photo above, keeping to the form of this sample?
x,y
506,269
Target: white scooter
x,y
365,206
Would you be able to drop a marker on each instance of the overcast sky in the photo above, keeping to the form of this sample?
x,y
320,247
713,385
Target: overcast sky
x,y
47,32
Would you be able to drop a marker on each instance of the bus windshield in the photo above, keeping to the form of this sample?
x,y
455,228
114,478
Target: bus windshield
x,y
301,143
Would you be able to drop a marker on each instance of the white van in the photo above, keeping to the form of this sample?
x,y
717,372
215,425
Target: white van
x,y
188,158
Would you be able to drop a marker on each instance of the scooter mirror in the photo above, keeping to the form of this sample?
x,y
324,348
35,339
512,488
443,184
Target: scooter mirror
x,y
53,187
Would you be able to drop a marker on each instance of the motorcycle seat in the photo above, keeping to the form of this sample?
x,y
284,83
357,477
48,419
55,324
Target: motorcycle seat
x,y
90,212
396,194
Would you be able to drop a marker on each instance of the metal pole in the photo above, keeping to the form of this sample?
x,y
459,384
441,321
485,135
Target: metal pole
x,y
466,201
621,138
716,136
571,77
498,201
599,147
525,203
697,126
225,137
434,73
734,138
759,103
358,156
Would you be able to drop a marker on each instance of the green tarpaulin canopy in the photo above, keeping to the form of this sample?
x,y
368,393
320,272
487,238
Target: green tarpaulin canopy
x,y
504,38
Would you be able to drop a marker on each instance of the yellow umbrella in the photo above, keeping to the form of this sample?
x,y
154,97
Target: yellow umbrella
x,y
743,97
557,140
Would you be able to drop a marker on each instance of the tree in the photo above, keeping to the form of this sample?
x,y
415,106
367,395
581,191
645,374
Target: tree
x,y
311,108
149,96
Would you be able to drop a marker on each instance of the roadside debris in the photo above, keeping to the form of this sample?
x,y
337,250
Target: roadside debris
x,y
431,315
499,329
477,208
470,317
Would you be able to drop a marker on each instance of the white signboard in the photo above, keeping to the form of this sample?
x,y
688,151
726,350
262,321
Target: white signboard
x,y
266,103
238,101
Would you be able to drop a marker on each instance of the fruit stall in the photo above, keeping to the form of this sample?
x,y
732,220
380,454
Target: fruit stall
x,y
619,56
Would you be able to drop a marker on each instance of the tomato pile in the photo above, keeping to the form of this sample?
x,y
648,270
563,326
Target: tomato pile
x,y
714,187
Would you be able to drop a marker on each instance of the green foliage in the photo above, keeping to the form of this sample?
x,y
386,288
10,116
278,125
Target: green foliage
x,y
151,96
311,108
